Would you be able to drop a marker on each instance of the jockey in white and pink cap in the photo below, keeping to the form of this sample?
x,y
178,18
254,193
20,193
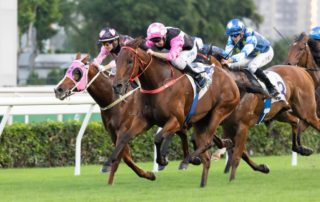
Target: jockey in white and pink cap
x,y
111,43
181,48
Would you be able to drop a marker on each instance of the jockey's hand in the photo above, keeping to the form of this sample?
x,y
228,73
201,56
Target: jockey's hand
x,y
226,62
150,52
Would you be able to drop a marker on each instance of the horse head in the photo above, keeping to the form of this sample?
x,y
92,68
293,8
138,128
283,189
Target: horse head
x,y
132,62
75,79
299,52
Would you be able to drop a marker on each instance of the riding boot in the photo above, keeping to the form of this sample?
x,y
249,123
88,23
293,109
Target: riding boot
x,y
200,80
271,89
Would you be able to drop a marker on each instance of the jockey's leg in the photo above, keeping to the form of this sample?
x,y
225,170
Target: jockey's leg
x,y
184,61
200,80
258,62
271,88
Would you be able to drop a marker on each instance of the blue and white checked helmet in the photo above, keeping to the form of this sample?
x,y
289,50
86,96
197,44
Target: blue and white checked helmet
x,y
235,26
315,33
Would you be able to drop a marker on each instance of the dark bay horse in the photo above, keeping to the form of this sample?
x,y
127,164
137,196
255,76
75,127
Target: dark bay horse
x,y
170,106
115,119
300,97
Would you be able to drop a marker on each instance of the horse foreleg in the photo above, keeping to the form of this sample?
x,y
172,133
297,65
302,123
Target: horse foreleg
x,y
140,172
228,164
185,148
206,161
165,149
114,168
297,126
124,136
171,127
239,140
261,167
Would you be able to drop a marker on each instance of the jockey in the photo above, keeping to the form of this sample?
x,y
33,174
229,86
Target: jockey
x,y
252,51
111,43
315,33
181,48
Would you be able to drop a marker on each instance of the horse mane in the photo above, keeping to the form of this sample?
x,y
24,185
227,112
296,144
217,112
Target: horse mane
x,y
314,46
138,42
315,50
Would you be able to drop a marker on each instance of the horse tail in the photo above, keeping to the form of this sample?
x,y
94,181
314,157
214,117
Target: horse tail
x,y
245,87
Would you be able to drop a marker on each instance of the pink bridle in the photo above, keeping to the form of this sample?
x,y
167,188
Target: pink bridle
x,y
81,85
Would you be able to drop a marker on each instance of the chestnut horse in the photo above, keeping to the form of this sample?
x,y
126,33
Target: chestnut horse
x,y
305,52
300,96
116,118
170,104
101,91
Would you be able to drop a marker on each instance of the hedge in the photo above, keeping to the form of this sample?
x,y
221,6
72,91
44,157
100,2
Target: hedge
x,y
46,144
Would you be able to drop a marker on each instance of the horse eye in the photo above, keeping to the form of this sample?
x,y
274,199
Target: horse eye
x,y
77,74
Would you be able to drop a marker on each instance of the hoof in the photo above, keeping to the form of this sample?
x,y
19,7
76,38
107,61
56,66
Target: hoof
x,y
183,166
195,161
105,169
304,151
162,161
160,167
152,176
226,170
264,168
227,143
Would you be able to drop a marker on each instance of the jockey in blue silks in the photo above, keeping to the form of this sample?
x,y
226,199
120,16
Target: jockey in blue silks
x,y
248,49
315,33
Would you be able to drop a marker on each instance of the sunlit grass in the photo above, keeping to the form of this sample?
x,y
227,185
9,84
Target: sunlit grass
x,y
283,183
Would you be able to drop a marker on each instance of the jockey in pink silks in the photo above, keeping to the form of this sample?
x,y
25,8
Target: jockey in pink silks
x,y
172,44
111,43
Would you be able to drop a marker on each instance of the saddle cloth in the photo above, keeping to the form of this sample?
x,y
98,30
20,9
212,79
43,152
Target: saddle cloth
x,y
206,71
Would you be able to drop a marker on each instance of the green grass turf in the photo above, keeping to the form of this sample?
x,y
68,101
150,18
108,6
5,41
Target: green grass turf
x,y
283,183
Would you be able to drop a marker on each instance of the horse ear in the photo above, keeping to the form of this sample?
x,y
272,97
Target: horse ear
x,y
78,56
85,60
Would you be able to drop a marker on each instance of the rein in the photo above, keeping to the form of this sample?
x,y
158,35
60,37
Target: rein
x,y
136,58
132,78
85,71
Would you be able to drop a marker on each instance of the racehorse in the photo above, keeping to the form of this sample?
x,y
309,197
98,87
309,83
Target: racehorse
x,y
169,95
300,96
99,85
101,91
305,52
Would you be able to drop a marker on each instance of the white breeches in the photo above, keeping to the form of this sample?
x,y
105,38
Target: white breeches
x,y
252,64
185,57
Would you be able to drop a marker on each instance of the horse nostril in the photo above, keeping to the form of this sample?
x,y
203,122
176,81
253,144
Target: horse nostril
x,y
59,90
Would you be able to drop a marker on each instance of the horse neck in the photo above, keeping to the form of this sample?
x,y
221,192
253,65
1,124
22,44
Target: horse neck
x,y
157,74
100,89
309,63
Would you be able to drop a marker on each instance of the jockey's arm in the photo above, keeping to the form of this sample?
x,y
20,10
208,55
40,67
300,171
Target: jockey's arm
x,y
251,43
160,55
176,47
102,55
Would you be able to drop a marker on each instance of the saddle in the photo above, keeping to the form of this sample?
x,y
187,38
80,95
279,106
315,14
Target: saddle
x,y
252,79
